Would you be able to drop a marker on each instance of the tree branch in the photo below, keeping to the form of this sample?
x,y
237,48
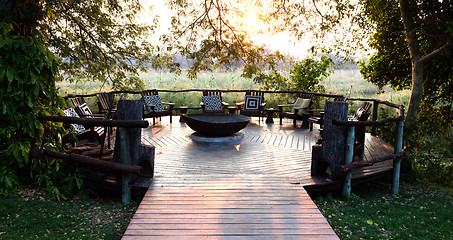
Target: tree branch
x,y
437,52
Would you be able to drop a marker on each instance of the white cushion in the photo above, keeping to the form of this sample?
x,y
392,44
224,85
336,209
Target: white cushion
x,y
70,112
301,105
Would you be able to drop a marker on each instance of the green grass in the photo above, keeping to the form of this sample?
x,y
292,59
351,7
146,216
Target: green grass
x,y
419,211
344,82
30,216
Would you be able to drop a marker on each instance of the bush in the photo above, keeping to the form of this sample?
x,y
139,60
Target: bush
x,y
434,158
27,74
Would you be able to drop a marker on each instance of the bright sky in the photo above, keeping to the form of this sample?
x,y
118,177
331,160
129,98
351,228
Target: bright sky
x,y
280,41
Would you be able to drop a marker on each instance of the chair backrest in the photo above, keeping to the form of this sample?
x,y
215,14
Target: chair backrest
x,y
304,95
340,99
105,101
255,102
152,100
212,92
212,101
77,101
150,92
363,112
255,93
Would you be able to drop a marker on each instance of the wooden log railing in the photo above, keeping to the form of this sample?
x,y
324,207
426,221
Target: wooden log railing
x,y
398,148
124,166
201,90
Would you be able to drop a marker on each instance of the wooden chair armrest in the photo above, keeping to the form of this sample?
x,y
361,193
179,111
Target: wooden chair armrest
x,y
94,115
168,103
240,103
225,104
280,107
315,110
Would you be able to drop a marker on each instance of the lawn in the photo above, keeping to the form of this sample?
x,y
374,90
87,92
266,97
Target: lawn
x,y
28,215
419,211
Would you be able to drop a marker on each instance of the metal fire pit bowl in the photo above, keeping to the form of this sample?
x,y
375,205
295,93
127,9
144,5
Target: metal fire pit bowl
x,y
216,125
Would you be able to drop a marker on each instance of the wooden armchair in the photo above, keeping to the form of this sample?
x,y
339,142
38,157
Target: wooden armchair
x,y
91,134
253,104
212,102
154,107
299,110
362,114
317,115
106,104
82,109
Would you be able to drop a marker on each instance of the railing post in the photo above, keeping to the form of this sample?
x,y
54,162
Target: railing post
x,y
375,116
125,158
398,147
349,154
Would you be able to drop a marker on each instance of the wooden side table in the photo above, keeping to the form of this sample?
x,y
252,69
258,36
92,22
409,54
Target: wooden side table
x,y
232,110
270,115
182,110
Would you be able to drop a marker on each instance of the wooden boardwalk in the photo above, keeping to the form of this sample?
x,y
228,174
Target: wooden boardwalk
x,y
227,207
252,190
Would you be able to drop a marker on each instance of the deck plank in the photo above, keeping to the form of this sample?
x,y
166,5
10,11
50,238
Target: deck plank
x,y
252,190
221,207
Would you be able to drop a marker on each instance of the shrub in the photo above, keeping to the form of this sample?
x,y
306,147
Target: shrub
x,y
27,74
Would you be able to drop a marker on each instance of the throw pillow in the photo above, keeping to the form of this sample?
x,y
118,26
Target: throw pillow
x,y
298,103
84,110
155,101
70,112
252,102
213,102
301,105
358,114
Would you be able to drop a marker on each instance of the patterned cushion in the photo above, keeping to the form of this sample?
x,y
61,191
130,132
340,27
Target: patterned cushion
x,y
70,112
84,110
153,100
252,102
358,114
213,102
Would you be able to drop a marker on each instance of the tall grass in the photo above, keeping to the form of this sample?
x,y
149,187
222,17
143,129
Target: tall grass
x,y
348,83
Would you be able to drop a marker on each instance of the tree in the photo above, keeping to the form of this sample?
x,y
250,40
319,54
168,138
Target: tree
x,y
85,39
93,39
27,74
414,43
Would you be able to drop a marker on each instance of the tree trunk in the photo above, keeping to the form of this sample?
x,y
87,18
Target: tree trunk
x,y
417,67
416,97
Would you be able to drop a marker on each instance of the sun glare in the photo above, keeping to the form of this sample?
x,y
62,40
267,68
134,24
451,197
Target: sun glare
x,y
252,22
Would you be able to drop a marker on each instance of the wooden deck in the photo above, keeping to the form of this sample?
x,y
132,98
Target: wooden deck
x,y
252,190
227,207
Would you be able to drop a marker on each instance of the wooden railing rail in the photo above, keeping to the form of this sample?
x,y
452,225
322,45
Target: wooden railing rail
x,y
350,138
97,122
200,90
124,167
350,166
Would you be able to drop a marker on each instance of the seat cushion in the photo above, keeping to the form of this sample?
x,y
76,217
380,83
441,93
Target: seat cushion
x,y
213,102
70,112
153,101
252,102
301,105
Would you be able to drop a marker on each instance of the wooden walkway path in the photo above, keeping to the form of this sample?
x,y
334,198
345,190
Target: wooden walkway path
x,y
227,207
253,190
